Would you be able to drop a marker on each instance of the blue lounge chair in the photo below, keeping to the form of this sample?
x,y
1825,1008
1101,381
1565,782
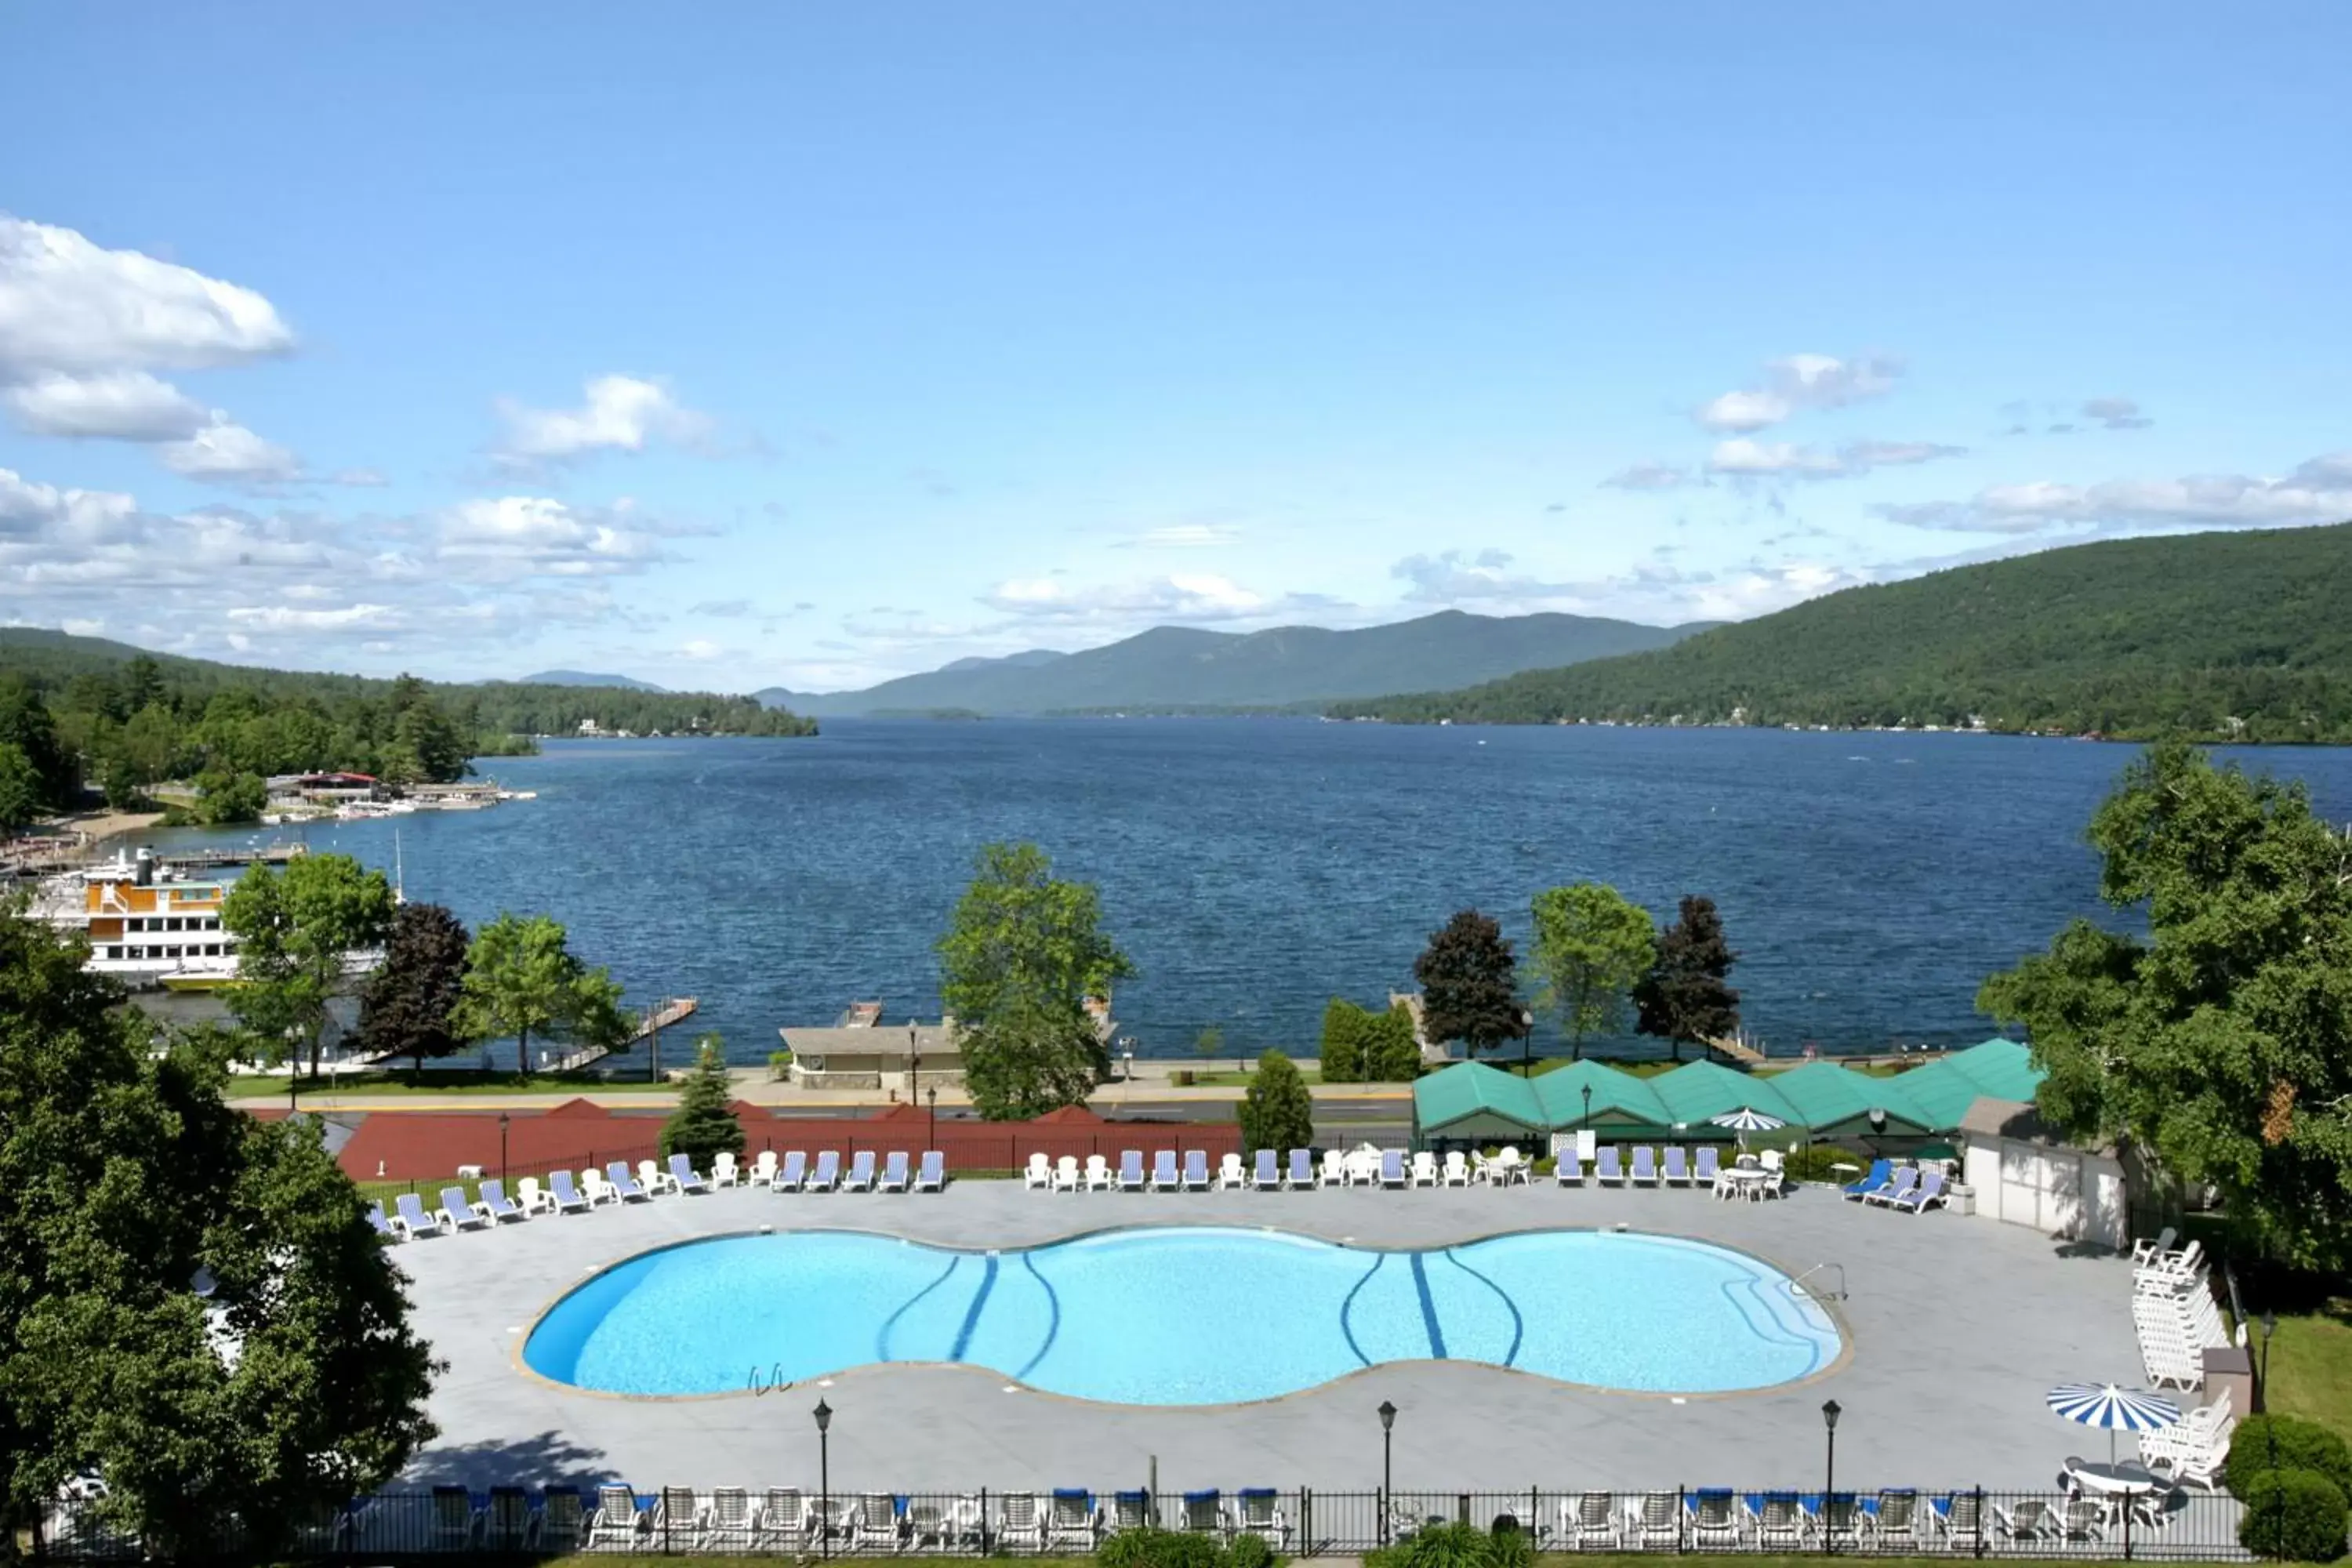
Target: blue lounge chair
x,y
792,1174
1130,1170
625,1184
1895,1191
1706,1171
689,1180
861,1172
1393,1168
1677,1167
1645,1166
495,1205
409,1217
931,1174
1606,1170
567,1197
1267,1176
893,1172
1876,1182
1204,1513
1712,1518
377,1223
1930,1190
1164,1170
827,1175
1569,1170
1196,1170
1302,1169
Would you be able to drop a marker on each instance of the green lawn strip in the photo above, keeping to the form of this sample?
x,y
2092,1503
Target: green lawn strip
x,y
2311,1368
274,1085
1543,1560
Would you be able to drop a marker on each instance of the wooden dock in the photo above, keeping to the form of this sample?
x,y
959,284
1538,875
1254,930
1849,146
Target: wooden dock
x,y
68,858
659,1017
1739,1049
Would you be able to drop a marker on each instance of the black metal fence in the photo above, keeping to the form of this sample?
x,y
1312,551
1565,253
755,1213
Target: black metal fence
x,y
2172,1525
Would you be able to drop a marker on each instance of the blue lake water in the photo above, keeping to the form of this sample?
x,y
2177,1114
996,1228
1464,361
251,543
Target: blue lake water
x,y
1254,868
1178,1315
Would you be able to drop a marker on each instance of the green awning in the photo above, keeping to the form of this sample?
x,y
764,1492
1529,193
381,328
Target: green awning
x,y
1696,1092
1945,1088
1619,1099
1471,1098
1828,1100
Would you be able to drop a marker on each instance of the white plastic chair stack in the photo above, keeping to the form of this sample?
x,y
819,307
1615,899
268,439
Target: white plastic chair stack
x,y
2175,1316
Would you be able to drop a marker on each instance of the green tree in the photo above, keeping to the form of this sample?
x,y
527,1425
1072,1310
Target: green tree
x,y
1020,955
122,788
124,1179
2221,1045
1684,997
425,733
295,930
1276,1112
1392,1051
1030,1058
1469,987
1345,1028
25,723
226,798
1592,946
703,1125
1209,1044
408,1006
20,788
522,978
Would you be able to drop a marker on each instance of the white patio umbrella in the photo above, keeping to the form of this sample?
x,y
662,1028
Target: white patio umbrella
x,y
2116,1409
1746,1120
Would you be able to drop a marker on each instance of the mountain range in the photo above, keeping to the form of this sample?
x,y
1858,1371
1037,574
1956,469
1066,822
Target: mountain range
x,y
584,678
2222,635
1171,668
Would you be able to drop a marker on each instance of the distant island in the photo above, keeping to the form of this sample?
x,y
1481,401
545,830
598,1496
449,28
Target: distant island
x,y
1184,669
2222,637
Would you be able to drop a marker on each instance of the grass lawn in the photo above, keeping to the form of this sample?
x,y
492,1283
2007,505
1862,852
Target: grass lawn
x,y
1543,1560
2311,1367
274,1085
1205,1077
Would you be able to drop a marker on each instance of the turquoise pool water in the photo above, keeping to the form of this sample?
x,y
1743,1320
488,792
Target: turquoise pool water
x,y
1185,1315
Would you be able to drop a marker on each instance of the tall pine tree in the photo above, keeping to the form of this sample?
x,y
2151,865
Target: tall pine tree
x,y
1684,997
1469,989
407,1007
702,1125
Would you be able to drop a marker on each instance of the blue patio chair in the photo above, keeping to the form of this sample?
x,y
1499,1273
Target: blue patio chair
x,y
1880,1171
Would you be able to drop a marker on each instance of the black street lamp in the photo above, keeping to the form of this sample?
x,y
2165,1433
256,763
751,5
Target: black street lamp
x,y
1526,1043
825,1474
914,1060
1388,1426
933,1092
1588,1107
2262,1391
502,1148
1829,1476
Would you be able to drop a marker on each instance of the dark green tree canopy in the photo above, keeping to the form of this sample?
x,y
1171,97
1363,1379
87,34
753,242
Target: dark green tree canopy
x,y
297,1383
407,1006
1685,997
2221,1045
295,930
1276,1112
1030,1058
1469,989
703,1125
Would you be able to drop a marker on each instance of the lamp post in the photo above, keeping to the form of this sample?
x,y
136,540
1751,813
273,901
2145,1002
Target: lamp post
x,y
1388,1426
1526,1042
2262,1404
1829,1476
933,1092
2262,1390
825,1474
1588,1107
914,1060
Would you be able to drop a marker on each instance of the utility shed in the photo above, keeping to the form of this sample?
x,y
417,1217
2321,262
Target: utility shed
x,y
2024,1174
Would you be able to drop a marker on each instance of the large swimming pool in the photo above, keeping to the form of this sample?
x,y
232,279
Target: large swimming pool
x,y
1185,1315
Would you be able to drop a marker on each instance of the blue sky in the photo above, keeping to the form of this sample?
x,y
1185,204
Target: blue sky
x,y
730,346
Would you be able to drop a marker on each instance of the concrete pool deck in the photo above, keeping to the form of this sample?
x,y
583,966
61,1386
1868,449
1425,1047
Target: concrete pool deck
x,y
1956,1326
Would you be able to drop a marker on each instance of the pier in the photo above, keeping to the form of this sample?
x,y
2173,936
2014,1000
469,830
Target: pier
x,y
659,1017
67,858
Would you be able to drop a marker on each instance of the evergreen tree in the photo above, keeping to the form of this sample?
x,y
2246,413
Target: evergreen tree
x,y
1345,1025
124,1175
20,788
407,1007
702,1125
1467,984
1684,997
1391,1053
1276,1112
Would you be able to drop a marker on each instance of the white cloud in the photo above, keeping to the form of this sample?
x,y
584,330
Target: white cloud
x,y
528,535
27,509
618,413
1192,596
1185,536
1454,575
75,627
232,453
702,649
1797,383
1741,458
365,479
2317,492
2116,414
68,304
117,404
1646,476
282,618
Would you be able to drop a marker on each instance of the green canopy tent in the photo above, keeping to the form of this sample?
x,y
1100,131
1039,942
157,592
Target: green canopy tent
x,y
1831,1101
1622,1105
1946,1087
1696,1092
1477,1103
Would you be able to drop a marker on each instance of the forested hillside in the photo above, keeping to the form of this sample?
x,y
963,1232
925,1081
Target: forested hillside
x,y
79,712
2223,635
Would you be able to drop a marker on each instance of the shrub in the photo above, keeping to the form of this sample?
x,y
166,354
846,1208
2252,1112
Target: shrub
x,y
1276,1112
1447,1546
1345,1027
1391,1053
2286,1443
1812,1164
1159,1549
1249,1551
779,1065
2292,1513
1508,1547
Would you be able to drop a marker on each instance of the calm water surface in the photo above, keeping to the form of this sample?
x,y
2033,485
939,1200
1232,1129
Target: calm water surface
x,y
1254,868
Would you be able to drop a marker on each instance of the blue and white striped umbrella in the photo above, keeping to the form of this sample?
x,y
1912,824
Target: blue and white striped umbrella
x,y
1747,1119
2116,1409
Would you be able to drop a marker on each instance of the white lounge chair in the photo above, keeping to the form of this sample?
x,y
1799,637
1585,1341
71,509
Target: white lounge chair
x,y
1163,1170
683,1178
654,1179
1073,1525
678,1518
618,1524
1020,1522
534,1198
825,1174
1654,1516
1231,1176
1261,1515
2147,1252
931,1174
1196,1170
726,1526
494,1205
1130,1170
1896,1190
1039,1176
1335,1169
1424,1168
624,1185
568,1196
1457,1170
1712,1515
724,1174
763,1170
1678,1170
781,1524
379,1224
893,1172
873,1524
861,1172
1930,1190
1098,1176
409,1219
1065,1173
562,1521
1606,1170
1266,1173
1709,1172
1589,1521
1363,1166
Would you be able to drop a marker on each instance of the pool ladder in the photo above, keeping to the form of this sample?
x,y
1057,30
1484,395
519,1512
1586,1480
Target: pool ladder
x,y
1798,1286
